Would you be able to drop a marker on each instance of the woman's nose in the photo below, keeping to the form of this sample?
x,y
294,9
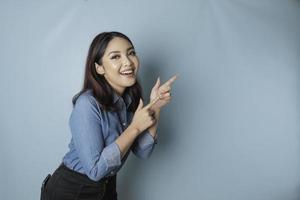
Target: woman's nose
x,y
127,61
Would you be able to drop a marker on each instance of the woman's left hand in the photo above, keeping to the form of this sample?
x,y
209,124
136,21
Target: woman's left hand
x,y
163,92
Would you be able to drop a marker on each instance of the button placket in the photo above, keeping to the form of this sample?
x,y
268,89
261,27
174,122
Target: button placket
x,y
123,115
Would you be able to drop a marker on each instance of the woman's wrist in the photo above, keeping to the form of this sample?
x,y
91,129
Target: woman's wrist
x,y
157,112
133,130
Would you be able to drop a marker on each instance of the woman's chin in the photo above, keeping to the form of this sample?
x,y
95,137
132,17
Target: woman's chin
x,y
129,80
131,83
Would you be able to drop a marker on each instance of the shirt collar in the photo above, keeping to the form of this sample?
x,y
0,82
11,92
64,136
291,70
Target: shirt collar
x,y
126,98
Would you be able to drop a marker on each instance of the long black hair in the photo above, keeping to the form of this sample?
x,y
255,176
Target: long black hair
x,y
101,89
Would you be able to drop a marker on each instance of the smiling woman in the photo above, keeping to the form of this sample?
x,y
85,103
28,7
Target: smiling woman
x,y
119,64
108,121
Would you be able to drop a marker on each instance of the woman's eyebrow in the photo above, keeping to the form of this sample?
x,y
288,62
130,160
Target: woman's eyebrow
x,y
119,51
130,48
113,52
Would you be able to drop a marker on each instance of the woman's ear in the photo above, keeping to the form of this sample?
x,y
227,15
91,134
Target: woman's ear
x,y
99,69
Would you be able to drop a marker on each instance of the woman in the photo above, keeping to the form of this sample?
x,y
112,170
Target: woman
x,y
108,121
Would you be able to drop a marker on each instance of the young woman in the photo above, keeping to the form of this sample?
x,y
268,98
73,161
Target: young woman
x,y
108,121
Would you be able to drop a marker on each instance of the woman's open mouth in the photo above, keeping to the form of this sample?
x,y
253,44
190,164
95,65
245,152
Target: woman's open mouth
x,y
127,73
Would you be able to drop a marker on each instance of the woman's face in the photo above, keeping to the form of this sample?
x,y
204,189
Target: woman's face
x,y
119,64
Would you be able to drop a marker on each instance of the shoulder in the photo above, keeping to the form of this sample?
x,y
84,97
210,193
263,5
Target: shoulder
x,y
85,107
87,100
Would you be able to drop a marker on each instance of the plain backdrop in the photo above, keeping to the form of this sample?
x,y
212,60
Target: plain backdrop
x,y
231,131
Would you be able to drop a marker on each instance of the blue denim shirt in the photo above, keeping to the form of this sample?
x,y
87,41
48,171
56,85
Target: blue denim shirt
x,y
92,149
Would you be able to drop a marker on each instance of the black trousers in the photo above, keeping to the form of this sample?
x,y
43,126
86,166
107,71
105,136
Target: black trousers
x,y
67,184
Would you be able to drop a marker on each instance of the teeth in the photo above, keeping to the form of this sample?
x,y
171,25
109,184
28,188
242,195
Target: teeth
x,y
127,72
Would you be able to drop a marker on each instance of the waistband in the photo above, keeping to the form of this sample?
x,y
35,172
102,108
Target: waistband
x,y
82,177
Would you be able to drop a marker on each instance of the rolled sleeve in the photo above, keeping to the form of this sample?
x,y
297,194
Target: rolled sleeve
x,y
144,145
86,128
112,155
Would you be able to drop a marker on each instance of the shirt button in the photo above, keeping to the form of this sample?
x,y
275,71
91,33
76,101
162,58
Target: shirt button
x,y
112,172
124,124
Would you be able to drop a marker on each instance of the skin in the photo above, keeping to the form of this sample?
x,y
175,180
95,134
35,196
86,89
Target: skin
x,y
119,56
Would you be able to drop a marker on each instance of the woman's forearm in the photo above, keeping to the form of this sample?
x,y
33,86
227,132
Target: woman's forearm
x,y
153,129
125,140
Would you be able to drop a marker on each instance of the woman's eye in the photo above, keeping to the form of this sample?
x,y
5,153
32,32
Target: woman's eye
x,y
115,57
132,53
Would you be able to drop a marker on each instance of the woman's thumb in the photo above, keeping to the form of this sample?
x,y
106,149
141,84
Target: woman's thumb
x,y
157,84
140,106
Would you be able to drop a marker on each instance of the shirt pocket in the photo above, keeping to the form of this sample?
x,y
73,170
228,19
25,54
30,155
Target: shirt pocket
x,y
114,126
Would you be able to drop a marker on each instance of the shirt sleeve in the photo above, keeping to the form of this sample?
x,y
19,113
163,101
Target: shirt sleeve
x,y
144,145
86,128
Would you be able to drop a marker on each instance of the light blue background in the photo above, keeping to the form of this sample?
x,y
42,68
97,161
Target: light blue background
x,y
231,131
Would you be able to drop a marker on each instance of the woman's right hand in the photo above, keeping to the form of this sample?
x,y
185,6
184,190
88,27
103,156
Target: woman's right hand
x,y
143,117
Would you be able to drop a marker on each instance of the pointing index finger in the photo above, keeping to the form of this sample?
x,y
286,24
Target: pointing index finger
x,y
151,103
171,80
